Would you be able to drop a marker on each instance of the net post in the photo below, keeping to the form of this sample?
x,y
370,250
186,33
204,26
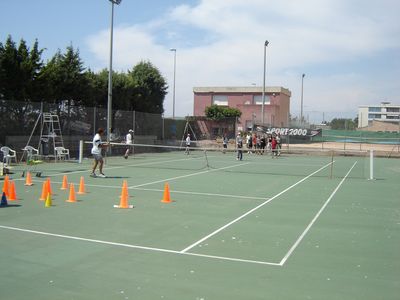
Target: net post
x,y
371,164
80,151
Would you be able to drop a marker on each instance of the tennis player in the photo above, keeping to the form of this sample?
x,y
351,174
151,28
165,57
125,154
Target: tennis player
x,y
187,143
96,152
239,146
129,141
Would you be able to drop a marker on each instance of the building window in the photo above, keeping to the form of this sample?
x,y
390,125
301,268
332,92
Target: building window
x,y
392,109
374,116
221,100
392,117
374,109
257,99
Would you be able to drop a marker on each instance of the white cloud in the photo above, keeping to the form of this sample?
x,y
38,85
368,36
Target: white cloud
x,y
220,42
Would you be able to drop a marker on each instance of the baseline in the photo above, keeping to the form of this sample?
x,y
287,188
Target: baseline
x,y
252,210
136,246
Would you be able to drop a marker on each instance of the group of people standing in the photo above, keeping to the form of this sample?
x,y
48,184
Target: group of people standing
x,y
259,144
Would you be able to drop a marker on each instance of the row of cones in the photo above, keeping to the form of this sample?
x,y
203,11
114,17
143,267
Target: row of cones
x,y
47,192
10,193
9,189
124,196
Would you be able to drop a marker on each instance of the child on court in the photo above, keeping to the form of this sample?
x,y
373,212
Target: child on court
x,y
187,143
239,146
129,141
224,144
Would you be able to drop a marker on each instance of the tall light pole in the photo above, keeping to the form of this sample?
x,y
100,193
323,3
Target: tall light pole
x,y
109,103
301,109
263,91
173,93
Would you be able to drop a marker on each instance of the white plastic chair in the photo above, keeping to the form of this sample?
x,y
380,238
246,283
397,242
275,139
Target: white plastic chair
x,y
61,153
8,155
31,153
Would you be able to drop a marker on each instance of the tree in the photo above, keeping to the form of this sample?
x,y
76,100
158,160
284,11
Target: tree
x,y
19,70
149,88
347,124
215,112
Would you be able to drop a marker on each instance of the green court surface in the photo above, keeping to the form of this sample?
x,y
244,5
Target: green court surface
x,y
293,227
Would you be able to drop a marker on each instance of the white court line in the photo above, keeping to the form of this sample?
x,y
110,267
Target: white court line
x,y
187,175
161,190
285,258
205,194
251,210
136,246
120,167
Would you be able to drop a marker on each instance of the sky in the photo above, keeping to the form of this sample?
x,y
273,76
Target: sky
x,y
349,50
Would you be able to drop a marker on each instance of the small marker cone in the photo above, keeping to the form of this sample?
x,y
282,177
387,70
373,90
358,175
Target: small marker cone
x,y
124,197
81,186
6,185
48,202
28,180
3,200
64,185
72,197
13,194
45,191
166,198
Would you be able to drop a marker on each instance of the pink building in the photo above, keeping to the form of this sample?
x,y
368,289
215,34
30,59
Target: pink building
x,y
249,101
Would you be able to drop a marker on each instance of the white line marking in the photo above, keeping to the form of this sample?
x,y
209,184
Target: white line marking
x,y
251,210
187,175
204,194
137,247
285,258
161,190
118,167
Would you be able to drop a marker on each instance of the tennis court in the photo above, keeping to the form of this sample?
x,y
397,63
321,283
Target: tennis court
x,y
291,227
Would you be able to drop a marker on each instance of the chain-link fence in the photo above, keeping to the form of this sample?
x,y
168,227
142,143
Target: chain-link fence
x,y
21,124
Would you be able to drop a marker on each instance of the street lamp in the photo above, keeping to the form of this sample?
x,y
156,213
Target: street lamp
x,y
109,103
173,93
263,92
301,109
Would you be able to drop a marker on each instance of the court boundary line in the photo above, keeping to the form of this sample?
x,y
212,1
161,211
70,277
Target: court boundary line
x,y
281,263
96,241
252,210
302,235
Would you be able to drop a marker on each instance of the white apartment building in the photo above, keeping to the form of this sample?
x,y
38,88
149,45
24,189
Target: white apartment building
x,y
384,112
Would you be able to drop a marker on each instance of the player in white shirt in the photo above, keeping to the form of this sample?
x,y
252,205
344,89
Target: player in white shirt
x,y
96,152
129,141
187,143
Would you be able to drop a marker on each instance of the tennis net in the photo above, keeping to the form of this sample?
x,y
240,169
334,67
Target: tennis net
x,y
294,162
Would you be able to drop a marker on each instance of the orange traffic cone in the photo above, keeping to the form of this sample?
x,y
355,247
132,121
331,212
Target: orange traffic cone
x,y
49,186
166,198
124,189
44,191
124,197
64,185
28,180
6,186
13,194
72,197
81,186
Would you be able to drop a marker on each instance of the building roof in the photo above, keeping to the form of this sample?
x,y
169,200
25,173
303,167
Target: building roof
x,y
245,89
383,104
